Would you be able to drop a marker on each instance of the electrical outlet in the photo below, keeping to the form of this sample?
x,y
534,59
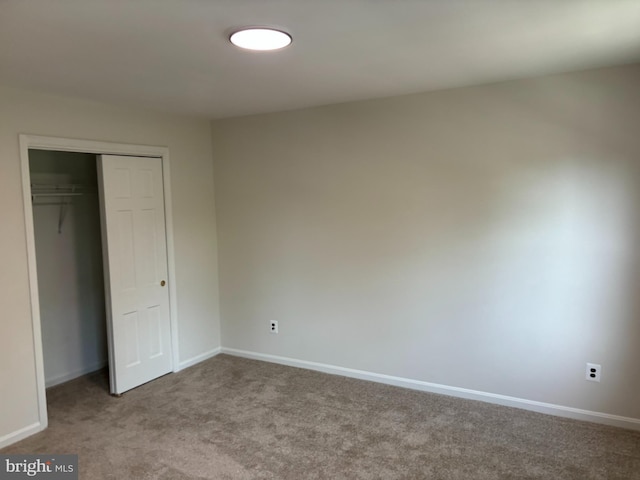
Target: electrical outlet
x,y
594,372
273,326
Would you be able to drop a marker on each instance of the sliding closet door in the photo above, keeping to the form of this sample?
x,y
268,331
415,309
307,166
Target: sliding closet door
x,y
135,253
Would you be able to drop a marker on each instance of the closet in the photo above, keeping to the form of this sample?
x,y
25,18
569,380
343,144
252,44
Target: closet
x,y
68,243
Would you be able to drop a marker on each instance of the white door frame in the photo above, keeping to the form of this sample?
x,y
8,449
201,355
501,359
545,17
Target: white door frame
x,y
38,142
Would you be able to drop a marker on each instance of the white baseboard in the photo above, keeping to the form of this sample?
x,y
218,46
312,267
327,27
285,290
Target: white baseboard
x,y
18,435
65,377
535,406
198,358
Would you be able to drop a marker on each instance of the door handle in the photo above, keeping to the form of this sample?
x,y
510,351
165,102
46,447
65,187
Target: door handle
x,y
163,283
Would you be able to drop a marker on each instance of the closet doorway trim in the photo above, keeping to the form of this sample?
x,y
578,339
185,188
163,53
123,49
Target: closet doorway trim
x,y
37,142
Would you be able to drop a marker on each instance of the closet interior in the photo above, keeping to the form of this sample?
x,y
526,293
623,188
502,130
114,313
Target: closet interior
x,y
66,218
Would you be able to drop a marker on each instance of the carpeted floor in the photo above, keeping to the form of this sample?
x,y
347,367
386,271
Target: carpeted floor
x,y
232,418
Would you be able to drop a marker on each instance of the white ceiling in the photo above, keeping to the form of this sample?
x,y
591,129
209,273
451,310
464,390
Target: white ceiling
x,y
174,55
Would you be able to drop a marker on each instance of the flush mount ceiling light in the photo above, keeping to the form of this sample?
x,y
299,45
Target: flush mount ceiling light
x,y
260,38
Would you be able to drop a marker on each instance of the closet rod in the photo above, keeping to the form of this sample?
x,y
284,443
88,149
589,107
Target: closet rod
x,y
56,194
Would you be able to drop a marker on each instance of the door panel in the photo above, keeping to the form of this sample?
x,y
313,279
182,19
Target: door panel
x,y
134,241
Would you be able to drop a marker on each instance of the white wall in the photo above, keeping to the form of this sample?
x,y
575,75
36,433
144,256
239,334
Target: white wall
x,y
484,238
69,263
189,143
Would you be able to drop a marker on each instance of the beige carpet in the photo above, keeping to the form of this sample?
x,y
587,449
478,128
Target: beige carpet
x,y
231,418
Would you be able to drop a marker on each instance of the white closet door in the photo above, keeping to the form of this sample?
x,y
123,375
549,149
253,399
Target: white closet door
x,y
135,253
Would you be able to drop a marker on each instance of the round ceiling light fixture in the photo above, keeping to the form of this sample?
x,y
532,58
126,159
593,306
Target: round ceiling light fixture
x,y
260,38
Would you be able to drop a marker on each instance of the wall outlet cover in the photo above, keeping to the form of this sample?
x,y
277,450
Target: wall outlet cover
x,y
593,372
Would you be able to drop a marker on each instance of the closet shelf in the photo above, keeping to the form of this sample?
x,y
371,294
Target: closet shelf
x,y
58,190
55,194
